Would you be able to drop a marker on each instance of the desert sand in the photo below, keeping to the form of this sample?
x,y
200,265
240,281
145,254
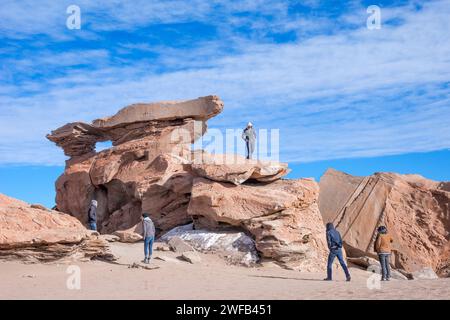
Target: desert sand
x,y
212,278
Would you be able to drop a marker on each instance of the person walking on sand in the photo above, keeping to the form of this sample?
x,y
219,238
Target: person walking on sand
x,y
383,249
249,136
92,215
149,236
334,242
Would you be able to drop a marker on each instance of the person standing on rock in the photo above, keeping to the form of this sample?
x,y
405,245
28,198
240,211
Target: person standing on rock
x,y
334,242
92,215
383,249
149,236
249,136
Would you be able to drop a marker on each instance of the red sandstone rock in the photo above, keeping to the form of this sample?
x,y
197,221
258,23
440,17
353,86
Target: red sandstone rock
x,y
415,210
33,234
283,217
150,168
237,169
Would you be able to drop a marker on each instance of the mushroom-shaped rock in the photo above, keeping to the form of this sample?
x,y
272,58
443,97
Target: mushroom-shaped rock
x,y
167,123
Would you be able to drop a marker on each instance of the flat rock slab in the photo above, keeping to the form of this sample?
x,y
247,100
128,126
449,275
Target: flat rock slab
x,y
179,245
425,274
140,265
110,237
167,259
162,247
191,257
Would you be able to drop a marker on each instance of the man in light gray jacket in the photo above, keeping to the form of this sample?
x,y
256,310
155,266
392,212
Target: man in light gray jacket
x,y
149,236
249,135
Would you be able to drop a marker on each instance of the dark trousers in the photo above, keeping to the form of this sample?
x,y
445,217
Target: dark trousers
x,y
384,262
250,147
333,254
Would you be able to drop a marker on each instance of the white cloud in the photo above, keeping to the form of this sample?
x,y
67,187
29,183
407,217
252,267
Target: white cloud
x,y
345,94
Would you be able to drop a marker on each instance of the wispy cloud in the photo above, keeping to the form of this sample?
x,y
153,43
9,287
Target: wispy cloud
x,y
335,90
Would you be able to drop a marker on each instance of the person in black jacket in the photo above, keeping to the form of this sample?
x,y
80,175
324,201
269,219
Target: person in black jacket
x,y
334,242
92,215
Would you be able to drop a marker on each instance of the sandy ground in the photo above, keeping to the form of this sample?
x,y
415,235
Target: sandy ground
x,y
210,279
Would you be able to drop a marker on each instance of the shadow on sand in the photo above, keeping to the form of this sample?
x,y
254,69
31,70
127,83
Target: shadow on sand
x,y
286,278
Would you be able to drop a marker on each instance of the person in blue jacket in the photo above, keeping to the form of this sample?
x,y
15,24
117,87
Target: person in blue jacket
x,y
334,242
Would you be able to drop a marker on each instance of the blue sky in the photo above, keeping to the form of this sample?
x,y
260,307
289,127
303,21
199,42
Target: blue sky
x,y
341,95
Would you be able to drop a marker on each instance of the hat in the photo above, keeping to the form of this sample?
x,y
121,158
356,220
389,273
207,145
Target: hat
x,y
249,124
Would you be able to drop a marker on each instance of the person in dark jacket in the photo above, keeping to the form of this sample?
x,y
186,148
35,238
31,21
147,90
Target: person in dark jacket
x,y
334,242
149,236
92,215
383,249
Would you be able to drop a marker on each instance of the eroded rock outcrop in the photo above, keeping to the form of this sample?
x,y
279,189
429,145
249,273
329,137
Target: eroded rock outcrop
x,y
237,169
38,235
282,216
415,210
151,168
144,171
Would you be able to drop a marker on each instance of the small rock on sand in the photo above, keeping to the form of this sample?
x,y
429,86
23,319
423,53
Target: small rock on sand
x,y
191,257
179,245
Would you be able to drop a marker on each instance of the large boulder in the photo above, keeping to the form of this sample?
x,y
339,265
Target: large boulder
x,y
33,235
415,210
131,235
233,245
282,216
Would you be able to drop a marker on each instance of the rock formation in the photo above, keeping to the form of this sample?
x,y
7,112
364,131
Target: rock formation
x,y
282,216
33,235
144,171
415,210
151,168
